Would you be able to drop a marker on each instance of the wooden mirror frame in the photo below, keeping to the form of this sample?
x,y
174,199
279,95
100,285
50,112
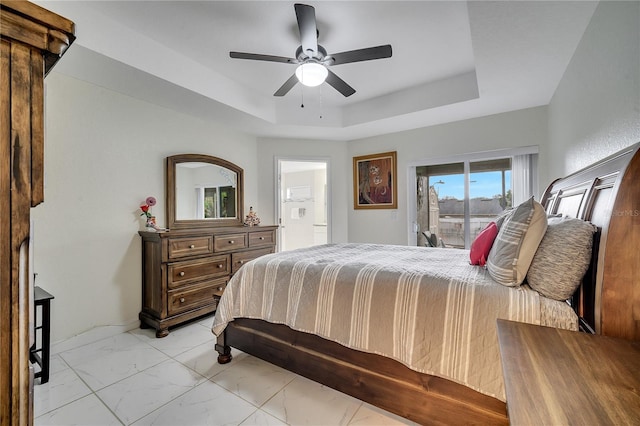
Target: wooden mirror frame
x,y
172,221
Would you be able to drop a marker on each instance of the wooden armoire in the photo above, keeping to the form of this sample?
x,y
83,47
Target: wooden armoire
x,y
32,40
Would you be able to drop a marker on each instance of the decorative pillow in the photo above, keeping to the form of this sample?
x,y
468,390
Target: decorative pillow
x,y
516,243
562,258
503,216
482,244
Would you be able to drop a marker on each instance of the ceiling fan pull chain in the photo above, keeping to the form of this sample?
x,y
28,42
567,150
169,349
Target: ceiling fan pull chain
x,y
321,103
302,91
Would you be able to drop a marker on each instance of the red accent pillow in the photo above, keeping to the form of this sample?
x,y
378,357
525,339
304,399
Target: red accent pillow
x,y
481,246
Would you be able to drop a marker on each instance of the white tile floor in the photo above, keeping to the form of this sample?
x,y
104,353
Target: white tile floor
x,y
134,378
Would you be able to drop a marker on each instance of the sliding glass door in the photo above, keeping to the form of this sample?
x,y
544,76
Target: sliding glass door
x,y
457,200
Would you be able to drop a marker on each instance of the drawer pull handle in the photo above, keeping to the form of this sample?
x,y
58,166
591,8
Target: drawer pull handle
x,y
220,266
192,246
231,241
241,261
182,300
181,274
262,238
220,288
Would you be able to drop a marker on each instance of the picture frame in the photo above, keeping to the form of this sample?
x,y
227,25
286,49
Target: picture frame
x,y
375,181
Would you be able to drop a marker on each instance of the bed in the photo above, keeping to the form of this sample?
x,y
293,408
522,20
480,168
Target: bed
x,y
384,356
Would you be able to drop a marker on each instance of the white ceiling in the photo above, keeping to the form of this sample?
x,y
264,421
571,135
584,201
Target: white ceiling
x,y
451,60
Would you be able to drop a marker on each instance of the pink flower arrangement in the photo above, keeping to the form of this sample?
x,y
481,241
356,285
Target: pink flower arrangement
x,y
146,207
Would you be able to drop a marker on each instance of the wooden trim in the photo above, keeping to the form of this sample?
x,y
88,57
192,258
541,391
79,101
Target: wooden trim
x,y
34,34
19,205
38,14
172,221
37,129
378,380
32,40
5,236
34,26
620,294
23,30
608,298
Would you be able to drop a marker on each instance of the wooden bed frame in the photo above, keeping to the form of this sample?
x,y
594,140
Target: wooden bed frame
x,y
608,302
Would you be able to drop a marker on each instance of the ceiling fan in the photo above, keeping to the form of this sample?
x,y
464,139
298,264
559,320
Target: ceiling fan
x,y
312,59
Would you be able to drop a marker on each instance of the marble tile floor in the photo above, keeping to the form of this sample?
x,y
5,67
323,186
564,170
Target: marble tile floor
x,y
135,379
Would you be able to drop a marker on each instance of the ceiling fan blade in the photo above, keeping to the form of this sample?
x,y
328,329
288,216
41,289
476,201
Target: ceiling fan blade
x,y
259,57
288,85
360,55
339,84
306,16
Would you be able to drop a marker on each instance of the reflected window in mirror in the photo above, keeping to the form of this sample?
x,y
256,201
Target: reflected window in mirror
x,y
203,191
216,202
211,206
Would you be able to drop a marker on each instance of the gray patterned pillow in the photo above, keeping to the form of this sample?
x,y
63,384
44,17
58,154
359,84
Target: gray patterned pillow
x,y
516,243
502,217
562,258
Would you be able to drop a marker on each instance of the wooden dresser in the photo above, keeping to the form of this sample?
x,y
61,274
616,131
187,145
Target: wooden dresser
x,y
184,272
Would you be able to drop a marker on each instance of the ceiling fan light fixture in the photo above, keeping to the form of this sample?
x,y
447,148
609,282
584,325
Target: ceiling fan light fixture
x,y
312,74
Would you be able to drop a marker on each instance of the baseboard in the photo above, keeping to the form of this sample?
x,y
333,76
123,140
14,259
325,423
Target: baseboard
x,y
92,335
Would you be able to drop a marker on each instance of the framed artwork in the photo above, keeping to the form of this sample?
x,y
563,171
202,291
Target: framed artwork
x,y
375,181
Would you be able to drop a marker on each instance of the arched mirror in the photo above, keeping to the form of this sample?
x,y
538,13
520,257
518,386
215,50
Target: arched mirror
x,y
203,191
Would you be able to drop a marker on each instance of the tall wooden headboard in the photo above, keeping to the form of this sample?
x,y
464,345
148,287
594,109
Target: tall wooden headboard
x,y
606,194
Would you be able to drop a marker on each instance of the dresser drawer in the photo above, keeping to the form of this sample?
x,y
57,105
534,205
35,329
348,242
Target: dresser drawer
x,y
228,242
239,259
262,238
195,296
219,288
191,246
189,271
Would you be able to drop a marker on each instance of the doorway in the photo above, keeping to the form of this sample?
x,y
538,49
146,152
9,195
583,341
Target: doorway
x,y
303,203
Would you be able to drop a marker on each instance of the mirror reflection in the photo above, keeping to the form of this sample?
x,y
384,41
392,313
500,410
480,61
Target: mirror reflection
x,y
205,191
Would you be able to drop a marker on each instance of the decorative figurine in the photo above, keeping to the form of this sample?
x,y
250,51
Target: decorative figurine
x,y
252,218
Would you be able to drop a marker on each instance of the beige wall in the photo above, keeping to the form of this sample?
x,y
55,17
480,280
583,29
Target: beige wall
x,y
104,155
338,177
514,129
595,110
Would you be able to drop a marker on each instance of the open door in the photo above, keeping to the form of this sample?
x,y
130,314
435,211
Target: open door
x,y
302,200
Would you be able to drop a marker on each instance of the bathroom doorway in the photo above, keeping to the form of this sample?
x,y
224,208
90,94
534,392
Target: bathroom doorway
x,y
302,200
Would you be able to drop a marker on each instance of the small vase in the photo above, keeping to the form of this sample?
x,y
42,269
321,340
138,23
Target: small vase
x,y
151,224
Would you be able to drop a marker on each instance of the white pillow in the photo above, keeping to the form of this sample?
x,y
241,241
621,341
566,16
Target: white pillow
x,y
516,243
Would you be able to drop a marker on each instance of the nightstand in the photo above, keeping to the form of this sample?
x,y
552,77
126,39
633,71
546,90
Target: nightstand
x,y
561,377
41,354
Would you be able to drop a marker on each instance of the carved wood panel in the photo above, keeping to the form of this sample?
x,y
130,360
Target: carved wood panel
x,y
32,39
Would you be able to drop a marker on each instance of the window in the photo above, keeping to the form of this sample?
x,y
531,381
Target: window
x,y
210,205
215,202
227,201
457,200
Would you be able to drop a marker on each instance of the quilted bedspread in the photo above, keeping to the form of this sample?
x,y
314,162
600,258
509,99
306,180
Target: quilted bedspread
x,y
425,307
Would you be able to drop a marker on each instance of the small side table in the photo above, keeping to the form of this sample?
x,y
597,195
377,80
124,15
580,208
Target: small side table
x,y
41,355
560,377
